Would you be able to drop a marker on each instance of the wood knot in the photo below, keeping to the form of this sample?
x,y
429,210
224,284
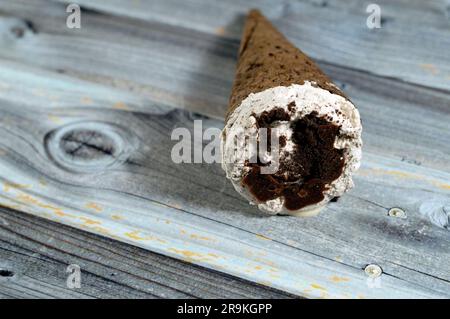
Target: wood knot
x,y
90,146
6,273
87,144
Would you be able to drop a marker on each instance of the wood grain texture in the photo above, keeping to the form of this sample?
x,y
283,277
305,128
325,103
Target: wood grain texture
x,y
38,252
100,50
411,45
119,181
199,79
193,213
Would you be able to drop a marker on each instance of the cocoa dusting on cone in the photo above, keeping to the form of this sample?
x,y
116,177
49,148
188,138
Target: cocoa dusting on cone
x,y
267,59
292,94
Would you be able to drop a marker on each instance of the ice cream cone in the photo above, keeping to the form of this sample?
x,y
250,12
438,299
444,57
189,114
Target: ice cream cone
x,y
279,88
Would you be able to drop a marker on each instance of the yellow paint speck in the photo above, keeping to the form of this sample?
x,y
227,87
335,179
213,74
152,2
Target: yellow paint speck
x,y
116,217
94,206
430,68
54,119
194,236
193,256
34,201
7,186
86,100
316,286
97,229
120,106
221,31
60,213
88,221
265,261
186,253
136,236
262,237
443,185
338,279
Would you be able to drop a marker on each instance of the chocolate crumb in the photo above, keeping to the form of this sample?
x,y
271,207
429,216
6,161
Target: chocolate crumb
x,y
265,119
292,107
283,141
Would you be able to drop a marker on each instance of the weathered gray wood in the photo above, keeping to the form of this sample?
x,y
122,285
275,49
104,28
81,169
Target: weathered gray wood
x,y
411,45
147,63
38,252
413,253
144,57
100,51
156,67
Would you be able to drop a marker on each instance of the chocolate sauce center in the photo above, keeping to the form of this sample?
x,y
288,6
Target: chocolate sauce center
x,y
303,175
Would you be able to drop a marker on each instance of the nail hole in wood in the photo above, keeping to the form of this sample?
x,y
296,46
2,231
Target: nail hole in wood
x,y
6,273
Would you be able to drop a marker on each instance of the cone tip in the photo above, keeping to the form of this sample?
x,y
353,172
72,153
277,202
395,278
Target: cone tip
x,y
254,13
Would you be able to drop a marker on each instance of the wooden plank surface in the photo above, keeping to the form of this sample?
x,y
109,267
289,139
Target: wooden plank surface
x,y
38,252
114,175
407,47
